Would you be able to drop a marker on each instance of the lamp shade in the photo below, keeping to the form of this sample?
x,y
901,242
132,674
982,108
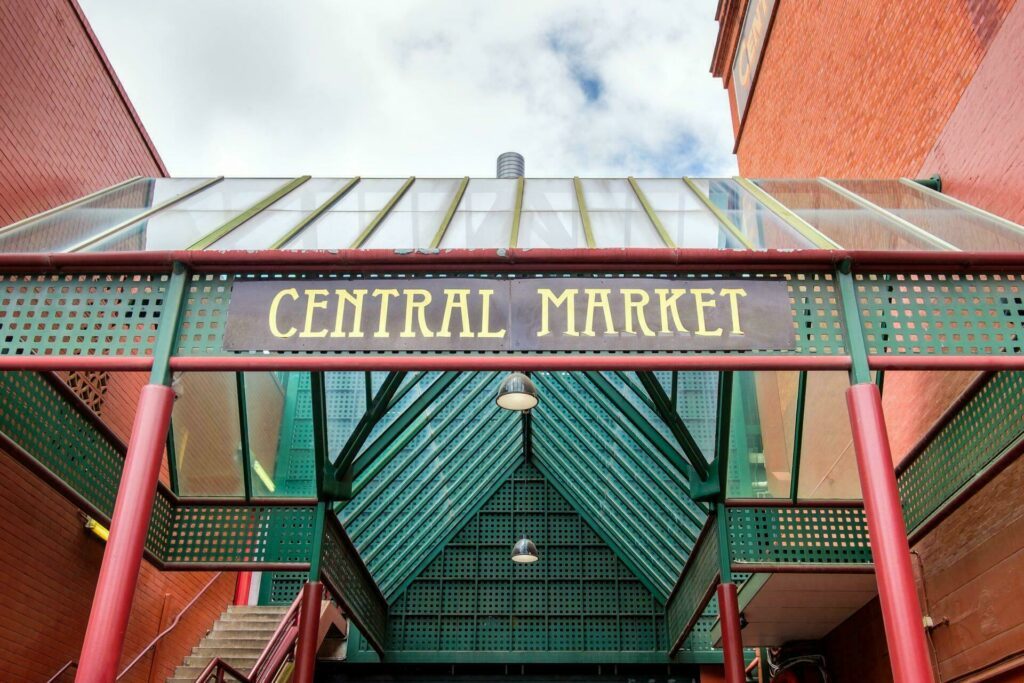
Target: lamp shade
x,y
517,392
525,551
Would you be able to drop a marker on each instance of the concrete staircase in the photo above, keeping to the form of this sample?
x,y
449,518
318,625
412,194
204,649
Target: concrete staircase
x,y
238,637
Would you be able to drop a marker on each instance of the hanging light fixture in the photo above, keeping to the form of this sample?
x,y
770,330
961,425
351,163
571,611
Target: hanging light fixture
x,y
517,392
525,551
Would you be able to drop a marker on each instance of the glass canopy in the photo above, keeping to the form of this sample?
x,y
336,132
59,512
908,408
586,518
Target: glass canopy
x,y
157,214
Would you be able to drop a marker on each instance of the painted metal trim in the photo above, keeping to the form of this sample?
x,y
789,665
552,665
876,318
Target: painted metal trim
x,y
170,317
383,213
888,216
243,433
74,202
651,214
798,437
314,214
853,326
581,203
89,241
212,237
794,221
452,208
723,220
970,208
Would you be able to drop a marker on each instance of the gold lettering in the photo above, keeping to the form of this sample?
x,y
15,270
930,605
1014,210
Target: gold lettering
x,y
455,298
355,297
636,306
416,301
567,297
312,304
272,317
385,295
667,299
698,297
734,307
598,298
485,316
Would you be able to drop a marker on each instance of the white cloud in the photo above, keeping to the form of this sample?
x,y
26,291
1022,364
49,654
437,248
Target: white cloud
x,y
411,87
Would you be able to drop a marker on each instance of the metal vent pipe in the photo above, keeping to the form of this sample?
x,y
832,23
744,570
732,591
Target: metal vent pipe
x,y
511,165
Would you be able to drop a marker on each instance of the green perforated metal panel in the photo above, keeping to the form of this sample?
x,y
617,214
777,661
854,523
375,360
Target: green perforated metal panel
x,y
942,314
281,588
816,320
350,581
238,533
80,314
990,423
35,417
803,535
579,598
695,586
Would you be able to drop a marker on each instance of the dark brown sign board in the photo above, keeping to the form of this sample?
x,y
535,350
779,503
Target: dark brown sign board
x,y
634,314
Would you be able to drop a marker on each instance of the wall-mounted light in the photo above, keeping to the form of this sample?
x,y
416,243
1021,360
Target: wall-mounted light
x,y
517,392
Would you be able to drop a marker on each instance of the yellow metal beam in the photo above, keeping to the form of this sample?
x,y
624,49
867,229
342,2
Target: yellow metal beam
x,y
209,239
799,224
382,214
452,208
581,201
720,215
316,213
655,221
517,212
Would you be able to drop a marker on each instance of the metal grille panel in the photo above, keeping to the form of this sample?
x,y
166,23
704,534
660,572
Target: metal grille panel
x,y
990,423
80,315
943,314
819,535
362,599
700,576
237,533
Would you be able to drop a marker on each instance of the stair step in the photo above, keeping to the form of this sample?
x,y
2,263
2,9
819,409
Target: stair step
x,y
256,609
243,663
225,652
242,630
251,619
246,642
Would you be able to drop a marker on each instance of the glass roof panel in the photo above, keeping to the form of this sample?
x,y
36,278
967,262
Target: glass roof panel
x,y
167,230
624,229
668,194
478,229
309,195
551,230
756,222
697,230
207,436
69,227
332,230
946,220
428,194
260,231
231,194
549,194
609,194
405,230
840,219
489,194
369,194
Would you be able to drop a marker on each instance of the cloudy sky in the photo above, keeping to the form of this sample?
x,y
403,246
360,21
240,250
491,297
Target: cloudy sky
x,y
418,87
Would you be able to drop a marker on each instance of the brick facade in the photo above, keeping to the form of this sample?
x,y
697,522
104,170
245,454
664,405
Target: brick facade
x,y
68,129
901,88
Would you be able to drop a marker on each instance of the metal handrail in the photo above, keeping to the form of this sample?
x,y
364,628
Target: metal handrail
x,y
174,622
278,638
220,667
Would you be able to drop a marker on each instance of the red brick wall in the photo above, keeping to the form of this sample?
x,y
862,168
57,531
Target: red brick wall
x,y
907,88
67,129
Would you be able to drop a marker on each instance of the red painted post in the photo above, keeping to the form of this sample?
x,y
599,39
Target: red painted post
x,y
732,640
897,592
243,582
122,558
309,631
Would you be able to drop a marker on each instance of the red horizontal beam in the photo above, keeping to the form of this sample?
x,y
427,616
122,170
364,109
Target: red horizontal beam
x,y
980,363
43,363
535,362
378,260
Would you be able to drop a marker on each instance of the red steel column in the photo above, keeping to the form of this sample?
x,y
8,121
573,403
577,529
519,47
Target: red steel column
x,y
122,558
732,641
309,631
243,582
897,592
